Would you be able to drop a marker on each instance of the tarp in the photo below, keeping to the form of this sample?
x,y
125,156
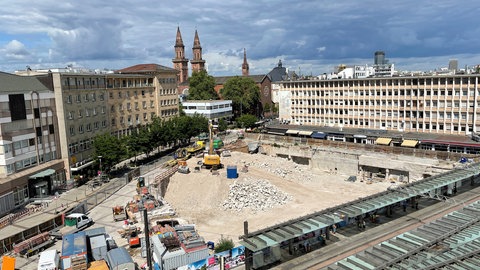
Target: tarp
x,y
409,143
318,135
383,141
305,133
8,263
292,131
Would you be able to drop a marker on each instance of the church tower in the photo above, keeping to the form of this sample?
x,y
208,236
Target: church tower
x,y
245,67
180,63
197,62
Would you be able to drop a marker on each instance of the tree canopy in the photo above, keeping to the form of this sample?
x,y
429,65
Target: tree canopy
x,y
202,86
247,121
244,93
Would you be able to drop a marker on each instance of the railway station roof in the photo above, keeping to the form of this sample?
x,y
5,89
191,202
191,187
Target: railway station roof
x,y
452,240
259,240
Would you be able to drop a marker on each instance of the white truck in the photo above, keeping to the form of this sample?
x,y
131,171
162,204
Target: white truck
x,y
73,223
49,260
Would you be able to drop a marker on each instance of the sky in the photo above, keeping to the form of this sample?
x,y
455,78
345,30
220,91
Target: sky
x,y
309,37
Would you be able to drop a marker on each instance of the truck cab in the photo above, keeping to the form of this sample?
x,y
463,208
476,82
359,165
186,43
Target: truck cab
x,y
78,220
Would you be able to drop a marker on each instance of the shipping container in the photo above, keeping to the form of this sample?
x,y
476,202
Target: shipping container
x,y
74,251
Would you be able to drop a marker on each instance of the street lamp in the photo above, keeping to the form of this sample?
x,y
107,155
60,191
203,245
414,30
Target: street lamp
x,y
100,160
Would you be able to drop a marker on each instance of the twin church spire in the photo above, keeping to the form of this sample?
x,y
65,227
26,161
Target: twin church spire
x,y
180,62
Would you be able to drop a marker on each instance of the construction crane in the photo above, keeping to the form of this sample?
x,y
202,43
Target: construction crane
x,y
211,159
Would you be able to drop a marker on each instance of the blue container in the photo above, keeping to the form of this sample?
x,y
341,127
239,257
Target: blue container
x,y
232,172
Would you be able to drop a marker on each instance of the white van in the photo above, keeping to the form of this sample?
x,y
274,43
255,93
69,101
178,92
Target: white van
x,y
49,260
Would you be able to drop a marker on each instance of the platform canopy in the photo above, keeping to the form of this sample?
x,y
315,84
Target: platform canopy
x,y
409,143
383,141
292,132
42,174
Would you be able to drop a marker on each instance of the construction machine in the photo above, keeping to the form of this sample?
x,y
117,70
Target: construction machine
x,y
211,159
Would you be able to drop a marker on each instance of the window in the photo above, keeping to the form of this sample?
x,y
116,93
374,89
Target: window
x,y
80,129
72,130
70,115
69,99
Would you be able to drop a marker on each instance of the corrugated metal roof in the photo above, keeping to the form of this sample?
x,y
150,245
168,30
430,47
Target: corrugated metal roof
x,y
451,240
288,230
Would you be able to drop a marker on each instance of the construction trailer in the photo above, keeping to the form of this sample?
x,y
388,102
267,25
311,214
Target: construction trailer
x,y
74,251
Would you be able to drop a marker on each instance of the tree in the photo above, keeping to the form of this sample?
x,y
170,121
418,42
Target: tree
x,y
244,93
224,244
110,148
247,121
222,124
202,86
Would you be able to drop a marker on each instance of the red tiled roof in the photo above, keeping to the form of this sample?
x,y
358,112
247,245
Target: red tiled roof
x,y
141,68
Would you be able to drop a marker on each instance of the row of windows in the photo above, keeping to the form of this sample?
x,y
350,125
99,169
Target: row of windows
x,y
79,81
395,103
168,80
129,107
129,121
126,94
89,127
86,98
385,82
384,93
87,112
29,162
383,113
80,146
208,107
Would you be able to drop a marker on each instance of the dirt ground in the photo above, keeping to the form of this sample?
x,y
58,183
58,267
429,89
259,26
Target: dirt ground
x,y
198,197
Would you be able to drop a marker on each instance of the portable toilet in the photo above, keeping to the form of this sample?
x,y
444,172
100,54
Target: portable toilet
x,y
232,172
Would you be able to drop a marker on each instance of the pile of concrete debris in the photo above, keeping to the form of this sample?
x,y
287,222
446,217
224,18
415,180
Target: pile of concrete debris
x,y
254,194
283,168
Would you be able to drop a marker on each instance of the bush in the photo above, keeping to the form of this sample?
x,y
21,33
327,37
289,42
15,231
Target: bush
x,y
224,244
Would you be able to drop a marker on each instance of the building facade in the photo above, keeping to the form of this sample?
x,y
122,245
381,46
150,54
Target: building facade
x,y
90,103
211,109
429,104
30,158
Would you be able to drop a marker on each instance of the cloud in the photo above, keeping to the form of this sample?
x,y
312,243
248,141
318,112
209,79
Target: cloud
x,y
15,50
317,35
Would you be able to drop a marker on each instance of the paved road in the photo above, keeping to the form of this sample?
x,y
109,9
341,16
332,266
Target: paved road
x,y
101,214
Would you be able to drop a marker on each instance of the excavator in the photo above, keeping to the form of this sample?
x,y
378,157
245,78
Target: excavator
x,y
211,159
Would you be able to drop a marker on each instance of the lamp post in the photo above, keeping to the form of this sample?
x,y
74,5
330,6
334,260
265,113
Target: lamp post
x,y
100,160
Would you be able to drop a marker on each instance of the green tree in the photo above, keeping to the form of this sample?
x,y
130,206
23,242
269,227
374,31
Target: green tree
x,y
247,121
202,86
222,124
244,93
140,142
224,244
110,148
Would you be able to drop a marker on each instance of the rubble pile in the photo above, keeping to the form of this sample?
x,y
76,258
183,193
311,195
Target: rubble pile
x,y
283,168
254,194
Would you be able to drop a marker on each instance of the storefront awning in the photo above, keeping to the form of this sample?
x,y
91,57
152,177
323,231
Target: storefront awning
x,y
409,143
42,174
319,135
383,141
305,133
292,132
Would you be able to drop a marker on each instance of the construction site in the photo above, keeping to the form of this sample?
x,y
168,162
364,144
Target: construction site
x,y
261,179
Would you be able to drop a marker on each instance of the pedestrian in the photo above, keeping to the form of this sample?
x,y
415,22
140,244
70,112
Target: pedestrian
x,y
363,224
334,228
404,205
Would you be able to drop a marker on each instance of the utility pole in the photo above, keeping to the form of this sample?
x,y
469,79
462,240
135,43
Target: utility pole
x,y
147,238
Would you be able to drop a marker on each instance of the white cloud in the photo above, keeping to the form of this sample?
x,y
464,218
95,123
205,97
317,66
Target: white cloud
x,y
117,33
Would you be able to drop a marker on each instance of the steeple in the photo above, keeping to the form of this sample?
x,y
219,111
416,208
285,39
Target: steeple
x,y
180,63
197,62
245,68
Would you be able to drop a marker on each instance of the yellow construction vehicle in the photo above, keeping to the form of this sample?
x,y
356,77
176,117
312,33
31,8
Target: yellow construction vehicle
x,y
211,159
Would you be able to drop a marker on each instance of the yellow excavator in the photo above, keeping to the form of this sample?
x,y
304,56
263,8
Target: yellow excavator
x,y
211,159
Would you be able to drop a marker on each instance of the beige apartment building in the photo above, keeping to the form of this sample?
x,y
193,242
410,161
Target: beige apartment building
x,y
90,103
444,104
